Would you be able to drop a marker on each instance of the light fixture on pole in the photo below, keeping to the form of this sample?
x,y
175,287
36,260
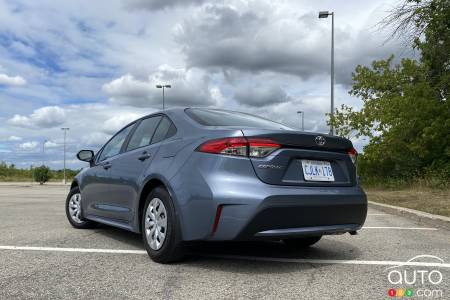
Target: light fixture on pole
x,y
65,129
323,15
163,86
303,119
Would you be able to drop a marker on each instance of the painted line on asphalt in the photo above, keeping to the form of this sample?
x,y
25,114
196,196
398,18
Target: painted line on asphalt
x,y
85,250
378,214
240,257
334,261
401,228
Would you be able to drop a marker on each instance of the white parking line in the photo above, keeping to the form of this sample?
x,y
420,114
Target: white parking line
x,y
252,258
377,214
334,261
88,250
401,228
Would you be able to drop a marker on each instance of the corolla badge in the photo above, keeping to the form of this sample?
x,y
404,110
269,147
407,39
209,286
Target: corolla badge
x,y
320,140
273,167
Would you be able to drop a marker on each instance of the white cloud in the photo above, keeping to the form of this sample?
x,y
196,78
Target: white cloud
x,y
51,145
189,87
14,138
29,146
126,87
12,80
93,140
113,124
44,117
159,4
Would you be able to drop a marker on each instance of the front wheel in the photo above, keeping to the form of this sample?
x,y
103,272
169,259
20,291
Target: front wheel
x,y
304,242
73,210
160,228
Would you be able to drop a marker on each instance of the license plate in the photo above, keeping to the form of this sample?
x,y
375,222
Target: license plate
x,y
317,170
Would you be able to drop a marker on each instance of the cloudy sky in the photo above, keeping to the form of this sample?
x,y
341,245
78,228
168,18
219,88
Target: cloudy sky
x,y
93,65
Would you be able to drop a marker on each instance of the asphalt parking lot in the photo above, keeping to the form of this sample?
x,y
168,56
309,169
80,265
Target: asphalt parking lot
x,y
43,257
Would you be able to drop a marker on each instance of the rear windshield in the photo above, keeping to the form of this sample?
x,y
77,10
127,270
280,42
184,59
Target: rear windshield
x,y
216,117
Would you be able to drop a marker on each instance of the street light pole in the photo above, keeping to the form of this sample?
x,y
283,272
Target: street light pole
x,y
332,73
303,119
163,86
65,131
322,15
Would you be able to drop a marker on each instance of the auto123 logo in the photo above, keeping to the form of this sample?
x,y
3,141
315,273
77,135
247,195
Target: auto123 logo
x,y
416,279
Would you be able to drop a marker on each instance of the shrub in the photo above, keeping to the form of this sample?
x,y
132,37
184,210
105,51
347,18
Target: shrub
x,y
41,174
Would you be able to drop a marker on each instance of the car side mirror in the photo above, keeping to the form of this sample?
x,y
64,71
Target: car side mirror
x,y
86,155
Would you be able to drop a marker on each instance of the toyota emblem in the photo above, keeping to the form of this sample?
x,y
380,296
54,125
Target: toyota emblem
x,y
320,140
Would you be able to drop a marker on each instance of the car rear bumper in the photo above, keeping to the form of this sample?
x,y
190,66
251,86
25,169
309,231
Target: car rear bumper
x,y
284,216
252,209
301,216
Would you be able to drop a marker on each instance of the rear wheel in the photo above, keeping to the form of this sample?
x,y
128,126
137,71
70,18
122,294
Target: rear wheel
x,y
302,242
73,210
160,228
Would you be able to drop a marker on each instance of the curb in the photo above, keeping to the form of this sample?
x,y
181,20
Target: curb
x,y
418,216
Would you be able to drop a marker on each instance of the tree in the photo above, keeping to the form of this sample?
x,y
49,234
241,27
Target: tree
x,y
426,26
41,174
406,110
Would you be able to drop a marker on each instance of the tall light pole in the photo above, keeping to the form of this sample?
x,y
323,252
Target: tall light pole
x,y
65,129
43,151
303,119
322,15
163,86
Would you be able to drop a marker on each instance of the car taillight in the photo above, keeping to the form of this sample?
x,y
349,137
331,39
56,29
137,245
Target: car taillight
x,y
238,146
228,146
261,147
353,155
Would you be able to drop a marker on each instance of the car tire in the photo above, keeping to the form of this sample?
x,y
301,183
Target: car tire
x,y
73,210
160,228
304,242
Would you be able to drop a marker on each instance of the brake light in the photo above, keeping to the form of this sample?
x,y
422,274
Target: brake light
x,y
228,146
239,146
353,155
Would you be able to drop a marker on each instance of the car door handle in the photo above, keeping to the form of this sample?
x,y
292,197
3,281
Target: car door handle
x,y
107,165
145,155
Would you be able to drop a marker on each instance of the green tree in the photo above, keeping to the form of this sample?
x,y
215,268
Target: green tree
x,y
406,110
41,174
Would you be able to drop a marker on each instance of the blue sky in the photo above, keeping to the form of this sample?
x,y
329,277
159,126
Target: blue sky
x,y
93,65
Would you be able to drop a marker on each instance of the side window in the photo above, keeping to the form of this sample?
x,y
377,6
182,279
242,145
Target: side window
x,y
143,133
165,128
172,131
115,144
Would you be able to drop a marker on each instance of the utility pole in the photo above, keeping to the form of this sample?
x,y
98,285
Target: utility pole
x,y
303,119
322,15
65,129
163,86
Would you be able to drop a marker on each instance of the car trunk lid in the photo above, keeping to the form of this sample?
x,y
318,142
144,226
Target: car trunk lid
x,y
285,166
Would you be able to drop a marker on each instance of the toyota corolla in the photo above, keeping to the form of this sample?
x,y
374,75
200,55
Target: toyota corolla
x,y
201,174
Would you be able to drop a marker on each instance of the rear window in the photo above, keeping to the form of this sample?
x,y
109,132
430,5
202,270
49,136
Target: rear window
x,y
216,117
